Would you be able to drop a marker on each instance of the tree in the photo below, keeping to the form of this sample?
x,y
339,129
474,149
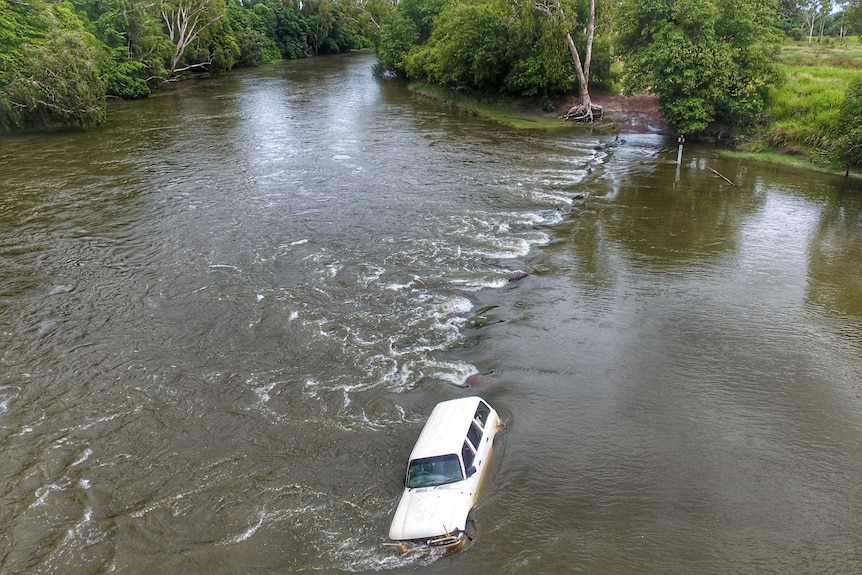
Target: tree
x,y
848,128
553,9
809,10
468,49
842,24
541,63
135,47
406,28
287,27
61,84
250,31
321,18
366,16
185,20
788,17
825,11
853,11
710,61
20,25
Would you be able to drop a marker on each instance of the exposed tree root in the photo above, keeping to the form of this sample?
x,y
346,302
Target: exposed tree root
x,y
587,113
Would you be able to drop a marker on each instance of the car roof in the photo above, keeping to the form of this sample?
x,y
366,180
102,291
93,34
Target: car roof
x,y
446,428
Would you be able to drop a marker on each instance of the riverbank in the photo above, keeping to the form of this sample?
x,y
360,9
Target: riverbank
x,y
639,114
627,114
796,122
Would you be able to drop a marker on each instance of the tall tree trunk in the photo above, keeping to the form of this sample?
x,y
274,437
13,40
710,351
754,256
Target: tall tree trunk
x,y
810,20
585,111
185,21
581,71
591,35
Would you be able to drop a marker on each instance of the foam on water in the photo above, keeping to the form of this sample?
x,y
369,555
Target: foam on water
x,y
42,493
263,391
451,371
469,254
510,248
480,282
84,456
303,312
247,533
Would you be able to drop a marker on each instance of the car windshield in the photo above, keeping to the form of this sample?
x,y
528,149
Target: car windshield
x,y
434,471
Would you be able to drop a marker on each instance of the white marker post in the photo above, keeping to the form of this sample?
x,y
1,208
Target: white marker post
x,y
679,153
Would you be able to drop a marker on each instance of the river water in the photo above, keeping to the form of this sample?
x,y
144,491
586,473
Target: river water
x,y
225,316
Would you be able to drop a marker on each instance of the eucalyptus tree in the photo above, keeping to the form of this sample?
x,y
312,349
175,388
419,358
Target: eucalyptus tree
x,y
184,21
826,7
842,24
710,61
563,19
810,10
815,15
366,17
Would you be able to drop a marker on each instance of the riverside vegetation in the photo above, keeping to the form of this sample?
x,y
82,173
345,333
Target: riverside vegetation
x,y
767,74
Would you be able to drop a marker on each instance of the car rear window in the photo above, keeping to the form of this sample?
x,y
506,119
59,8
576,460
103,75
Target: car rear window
x,y
474,435
467,455
482,413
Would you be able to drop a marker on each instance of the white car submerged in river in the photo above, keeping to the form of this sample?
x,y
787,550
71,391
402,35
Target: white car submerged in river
x,y
444,475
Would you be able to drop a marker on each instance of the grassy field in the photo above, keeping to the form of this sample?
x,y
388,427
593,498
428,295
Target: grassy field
x,y
801,110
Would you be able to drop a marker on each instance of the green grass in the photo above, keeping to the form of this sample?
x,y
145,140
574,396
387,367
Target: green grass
x,y
776,158
828,54
516,113
801,111
797,121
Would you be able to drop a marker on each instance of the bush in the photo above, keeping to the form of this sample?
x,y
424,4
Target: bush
x,y
468,49
61,85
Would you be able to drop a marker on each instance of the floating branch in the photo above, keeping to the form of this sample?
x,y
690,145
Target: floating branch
x,y
722,177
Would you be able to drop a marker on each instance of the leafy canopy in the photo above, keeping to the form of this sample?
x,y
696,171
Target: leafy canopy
x,y
60,59
710,61
848,128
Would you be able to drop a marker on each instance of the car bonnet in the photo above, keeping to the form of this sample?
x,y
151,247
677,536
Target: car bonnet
x,y
430,512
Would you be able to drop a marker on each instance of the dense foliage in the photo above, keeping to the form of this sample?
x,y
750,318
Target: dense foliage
x,y
848,128
486,46
710,61
59,61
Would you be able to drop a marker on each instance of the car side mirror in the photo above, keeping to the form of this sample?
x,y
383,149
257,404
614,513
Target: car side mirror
x,y
471,470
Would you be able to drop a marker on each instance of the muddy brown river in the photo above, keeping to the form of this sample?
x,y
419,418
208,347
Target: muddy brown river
x,y
225,316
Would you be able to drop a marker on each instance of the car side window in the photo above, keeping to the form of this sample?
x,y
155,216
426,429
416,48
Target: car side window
x,y
467,455
474,435
482,413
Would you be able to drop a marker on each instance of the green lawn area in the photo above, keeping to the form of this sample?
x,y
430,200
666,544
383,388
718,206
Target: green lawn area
x,y
801,110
